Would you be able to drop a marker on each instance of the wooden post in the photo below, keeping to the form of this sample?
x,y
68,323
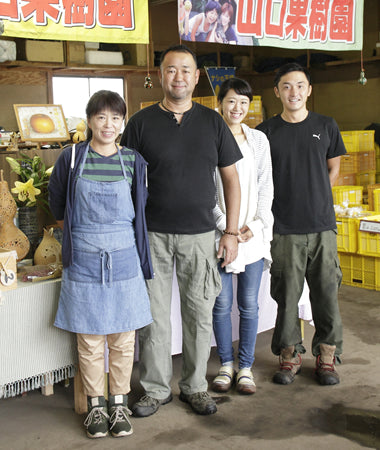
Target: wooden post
x,y
48,389
80,398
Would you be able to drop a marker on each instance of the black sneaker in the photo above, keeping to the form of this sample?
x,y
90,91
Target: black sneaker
x,y
148,405
200,402
97,418
119,416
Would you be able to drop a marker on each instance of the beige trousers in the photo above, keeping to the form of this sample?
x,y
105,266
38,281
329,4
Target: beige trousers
x,y
91,350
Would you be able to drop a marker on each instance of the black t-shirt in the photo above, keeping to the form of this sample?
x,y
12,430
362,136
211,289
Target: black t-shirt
x,y
303,200
181,165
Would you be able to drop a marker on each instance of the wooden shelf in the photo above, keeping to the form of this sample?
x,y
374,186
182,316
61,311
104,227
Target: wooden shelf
x,y
33,65
353,61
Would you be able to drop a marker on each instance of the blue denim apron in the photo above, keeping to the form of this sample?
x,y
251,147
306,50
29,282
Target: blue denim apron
x,y
103,291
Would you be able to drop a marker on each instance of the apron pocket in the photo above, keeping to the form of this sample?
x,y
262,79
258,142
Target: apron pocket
x,y
124,264
106,210
104,266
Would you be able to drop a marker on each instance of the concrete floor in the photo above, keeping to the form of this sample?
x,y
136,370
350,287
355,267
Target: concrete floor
x,y
303,415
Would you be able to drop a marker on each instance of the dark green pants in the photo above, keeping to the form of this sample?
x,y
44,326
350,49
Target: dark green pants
x,y
314,257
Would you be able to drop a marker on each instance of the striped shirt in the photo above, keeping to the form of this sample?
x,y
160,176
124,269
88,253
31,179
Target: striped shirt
x,y
108,168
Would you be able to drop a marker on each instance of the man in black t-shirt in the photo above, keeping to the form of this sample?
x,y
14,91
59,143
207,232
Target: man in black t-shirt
x,y
306,149
183,142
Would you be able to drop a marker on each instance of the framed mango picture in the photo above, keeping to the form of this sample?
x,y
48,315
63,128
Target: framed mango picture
x,y
39,123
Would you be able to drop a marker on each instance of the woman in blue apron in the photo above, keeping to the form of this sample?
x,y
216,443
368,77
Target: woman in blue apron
x,y
97,193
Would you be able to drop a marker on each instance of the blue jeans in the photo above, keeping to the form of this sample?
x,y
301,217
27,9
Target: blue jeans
x,y
248,284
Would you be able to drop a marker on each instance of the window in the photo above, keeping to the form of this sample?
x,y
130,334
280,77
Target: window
x,y
73,93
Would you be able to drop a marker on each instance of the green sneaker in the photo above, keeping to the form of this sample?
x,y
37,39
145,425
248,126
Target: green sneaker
x,y
200,402
97,418
118,411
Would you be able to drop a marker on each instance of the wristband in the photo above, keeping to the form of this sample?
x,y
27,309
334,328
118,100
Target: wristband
x,y
231,233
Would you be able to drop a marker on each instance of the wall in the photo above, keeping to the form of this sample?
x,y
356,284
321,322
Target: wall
x,y
352,105
336,90
20,87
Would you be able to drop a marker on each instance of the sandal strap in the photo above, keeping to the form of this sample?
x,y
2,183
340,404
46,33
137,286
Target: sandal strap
x,y
245,377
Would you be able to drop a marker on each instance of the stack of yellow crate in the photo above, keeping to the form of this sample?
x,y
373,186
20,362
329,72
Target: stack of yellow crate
x,y
209,101
358,166
255,112
358,244
254,116
374,197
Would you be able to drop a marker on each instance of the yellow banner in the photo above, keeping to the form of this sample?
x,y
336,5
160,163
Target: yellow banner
x,y
115,21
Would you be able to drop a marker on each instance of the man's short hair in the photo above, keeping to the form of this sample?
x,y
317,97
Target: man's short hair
x,y
291,67
178,48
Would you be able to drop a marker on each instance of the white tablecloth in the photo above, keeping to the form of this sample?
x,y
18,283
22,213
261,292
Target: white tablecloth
x,y
33,353
267,312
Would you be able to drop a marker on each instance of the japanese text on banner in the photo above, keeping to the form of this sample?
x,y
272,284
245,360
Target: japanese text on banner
x,y
81,20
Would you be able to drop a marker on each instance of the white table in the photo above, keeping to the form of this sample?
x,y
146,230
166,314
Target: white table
x,y
33,353
267,312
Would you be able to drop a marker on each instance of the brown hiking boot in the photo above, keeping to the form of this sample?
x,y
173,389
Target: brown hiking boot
x,y
290,365
325,366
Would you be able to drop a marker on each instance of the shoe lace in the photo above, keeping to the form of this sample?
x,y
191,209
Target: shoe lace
x,y
120,414
95,416
288,365
325,366
202,396
146,400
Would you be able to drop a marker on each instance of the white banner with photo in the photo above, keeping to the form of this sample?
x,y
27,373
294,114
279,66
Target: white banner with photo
x,y
297,24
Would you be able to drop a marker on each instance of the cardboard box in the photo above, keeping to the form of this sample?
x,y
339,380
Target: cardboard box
x,y
103,57
76,52
44,51
8,269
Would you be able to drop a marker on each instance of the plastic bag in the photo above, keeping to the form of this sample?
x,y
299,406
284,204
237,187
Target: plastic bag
x,y
40,272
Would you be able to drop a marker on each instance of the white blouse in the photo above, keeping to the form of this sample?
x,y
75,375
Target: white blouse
x,y
256,184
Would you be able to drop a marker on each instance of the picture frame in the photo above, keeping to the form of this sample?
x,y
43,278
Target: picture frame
x,y
41,123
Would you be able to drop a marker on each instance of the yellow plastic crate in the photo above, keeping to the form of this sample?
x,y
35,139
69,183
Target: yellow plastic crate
x,y
359,140
371,203
369,236
376,200
367,161
252,120
346,179
348,227
360,271
255,106
347,238
365,178
349,163
352,195
145,104
210,101
378,164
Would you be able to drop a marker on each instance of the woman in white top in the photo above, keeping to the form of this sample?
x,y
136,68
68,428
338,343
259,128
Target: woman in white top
x,y
255,235
203,23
